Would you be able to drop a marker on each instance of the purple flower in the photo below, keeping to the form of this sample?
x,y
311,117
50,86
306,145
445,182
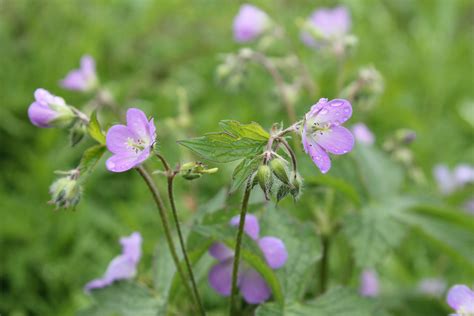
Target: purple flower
x,y
363,134
326,25
461,299
253,287
82,79
322,131
123,266
432,286
131,144
464,174
249,23
49,110
444,178
369,283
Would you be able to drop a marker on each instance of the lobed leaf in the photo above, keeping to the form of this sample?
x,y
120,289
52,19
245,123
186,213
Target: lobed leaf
x,y
94,129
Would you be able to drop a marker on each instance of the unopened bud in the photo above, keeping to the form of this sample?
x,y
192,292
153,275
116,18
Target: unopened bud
x,y
296,184
66,192
264,178
278,167
194,170
283,191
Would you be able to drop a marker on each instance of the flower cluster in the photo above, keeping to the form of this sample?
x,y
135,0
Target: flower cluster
x,y
123,266
253,287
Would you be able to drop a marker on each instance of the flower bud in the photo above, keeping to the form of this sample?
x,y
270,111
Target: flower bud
x,y
66,192
283,191
50,111
296,184
194,170
278,167
264,178
77,133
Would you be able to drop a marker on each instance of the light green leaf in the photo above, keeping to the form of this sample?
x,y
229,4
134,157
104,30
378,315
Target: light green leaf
x,y
250,253
380,176
89,160
124,299
243,171
451,230
336,183
303,246
253,130
94,130
336,302
373,232
237,142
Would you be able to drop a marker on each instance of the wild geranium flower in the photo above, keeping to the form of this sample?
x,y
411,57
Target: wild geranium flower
x,y
363,134
322,132
369,283
253,287
448,181
461,299
49,110
249,23
123,266
82,79
326,25
131,144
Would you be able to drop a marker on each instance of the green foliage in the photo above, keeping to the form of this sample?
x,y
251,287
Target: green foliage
x,y
337,302
94,129
246,168
238,141
89,160
124,299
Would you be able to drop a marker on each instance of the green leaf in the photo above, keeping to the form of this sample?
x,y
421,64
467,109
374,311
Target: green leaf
x,y
336,183
236,142
89,160
374,231
250,253
243,171
450,230
336,302
253,130
94,130
124,299
303,246
380,176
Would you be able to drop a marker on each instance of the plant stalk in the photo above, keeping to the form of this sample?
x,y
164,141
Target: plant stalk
x,y
238,243
181,242
164,220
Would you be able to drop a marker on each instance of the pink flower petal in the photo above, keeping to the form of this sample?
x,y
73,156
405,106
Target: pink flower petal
x,y
40,114
337,140
220,277
274,251
251,226
131,246
121,162
317,154
334,112
137,122
117,139
460,296
220,251
253,287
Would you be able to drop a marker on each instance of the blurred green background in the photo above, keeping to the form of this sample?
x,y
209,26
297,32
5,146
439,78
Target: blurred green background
x,y
146,51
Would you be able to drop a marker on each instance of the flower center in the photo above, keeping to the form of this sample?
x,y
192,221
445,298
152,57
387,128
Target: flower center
x,y
137,145
465,312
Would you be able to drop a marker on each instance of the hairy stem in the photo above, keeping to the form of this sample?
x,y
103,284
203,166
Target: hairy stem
x,y
238,243
181,242
164,220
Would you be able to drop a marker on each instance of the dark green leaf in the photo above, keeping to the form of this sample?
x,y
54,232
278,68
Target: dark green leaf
x,y
94,130
243,171
124,299
303,246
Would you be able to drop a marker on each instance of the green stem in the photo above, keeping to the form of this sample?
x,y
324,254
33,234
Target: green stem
x,y
181,242
164,220
238,243
323,271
